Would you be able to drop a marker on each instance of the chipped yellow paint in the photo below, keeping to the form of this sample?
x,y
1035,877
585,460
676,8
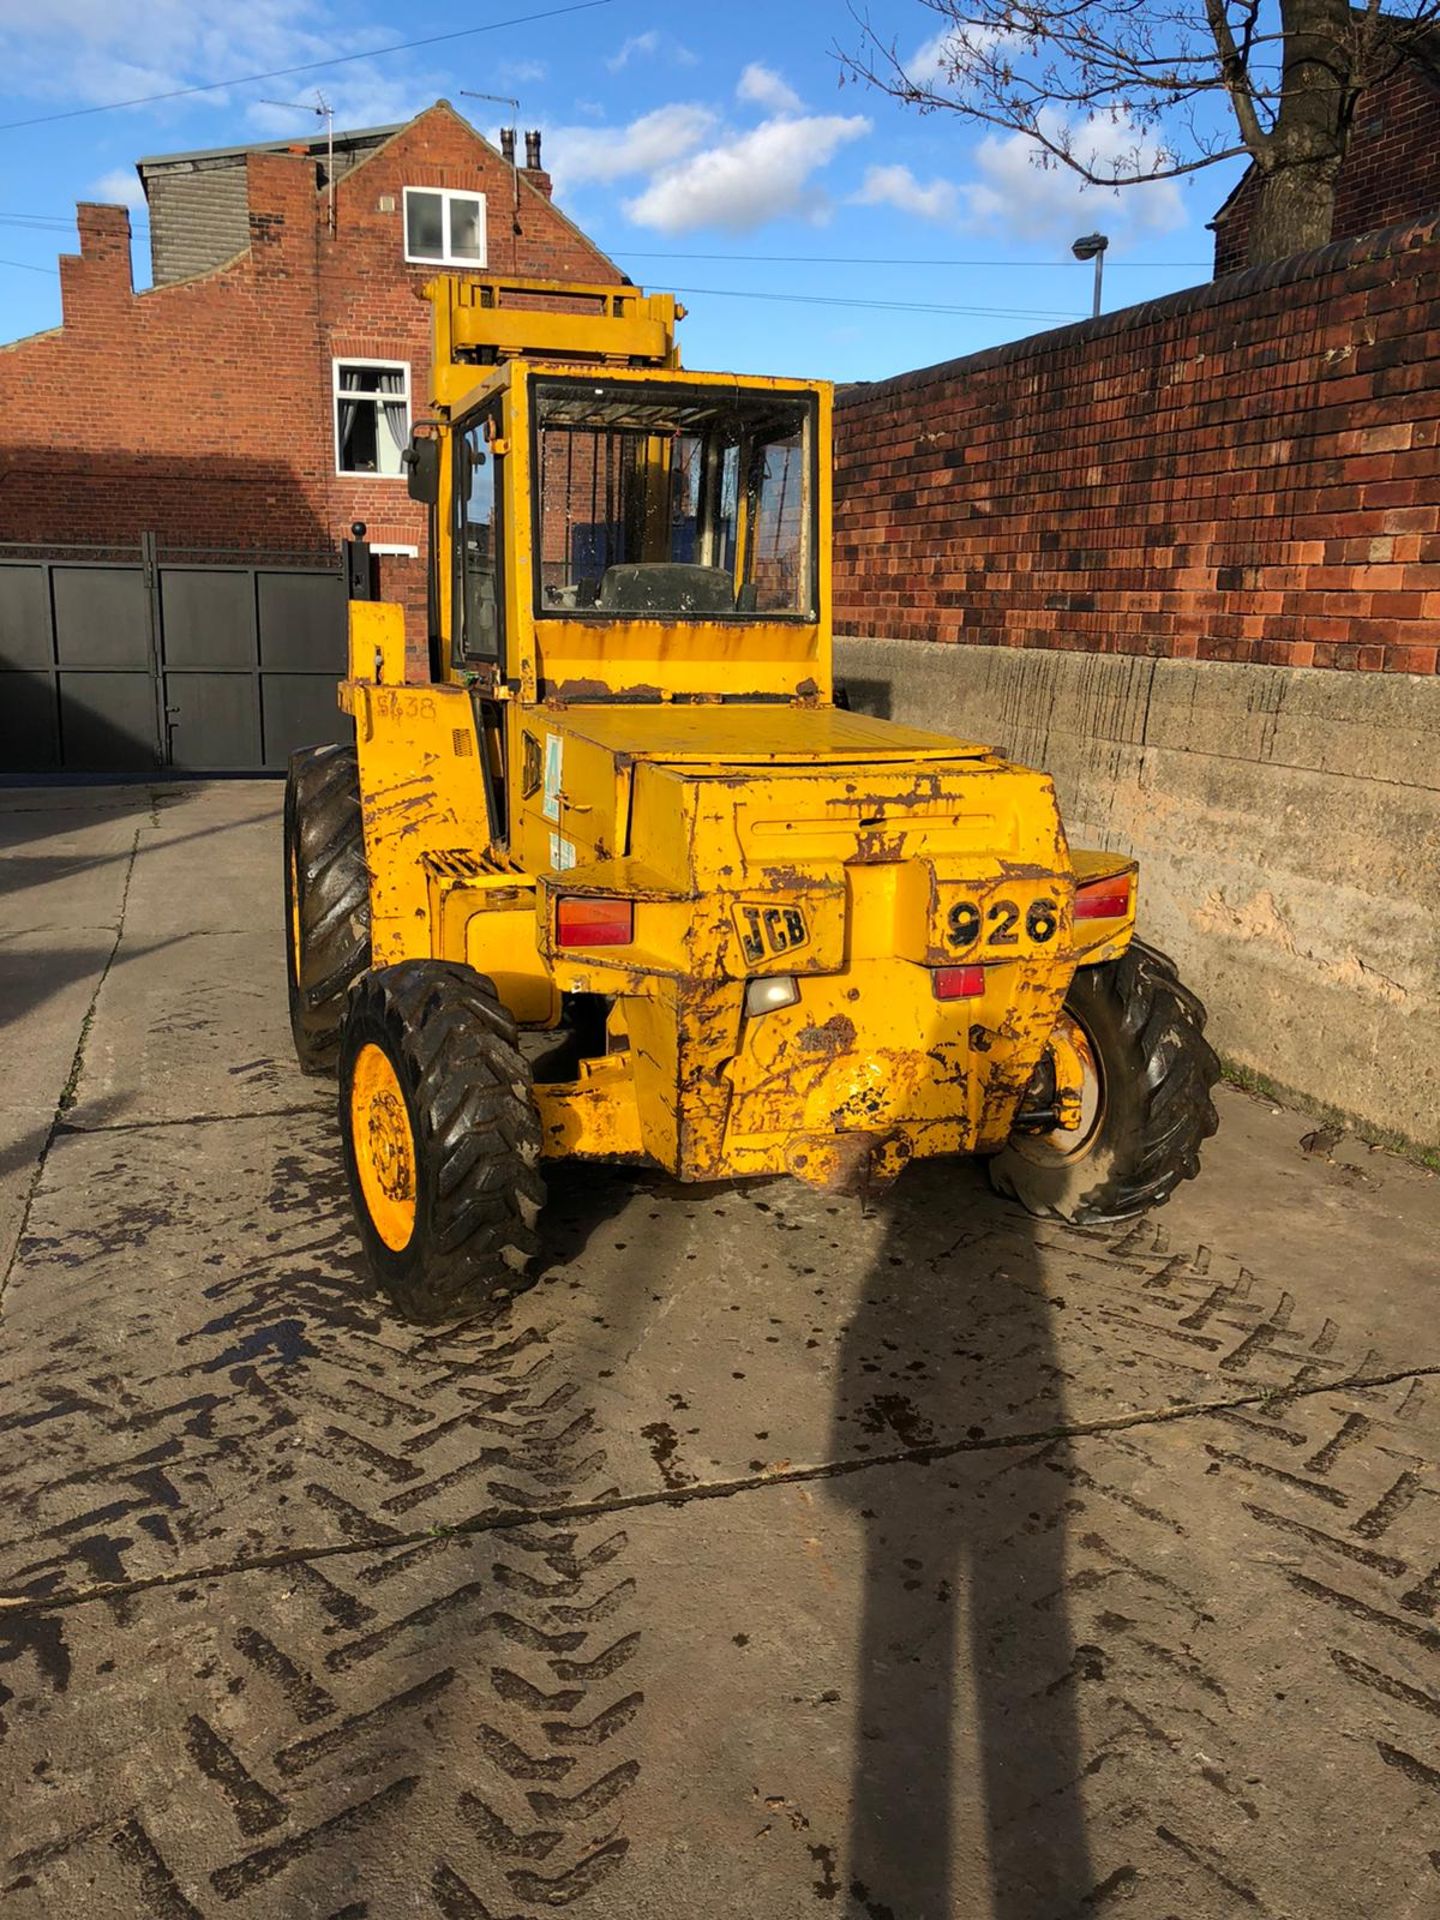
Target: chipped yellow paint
x,y
377,643
596,1117
701,772
420,793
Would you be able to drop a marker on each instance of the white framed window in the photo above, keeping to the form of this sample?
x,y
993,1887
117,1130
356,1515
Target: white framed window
x,y
444,228
372,416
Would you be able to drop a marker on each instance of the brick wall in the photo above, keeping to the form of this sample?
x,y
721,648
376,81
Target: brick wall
x,y
1247,471
1390,174
202,411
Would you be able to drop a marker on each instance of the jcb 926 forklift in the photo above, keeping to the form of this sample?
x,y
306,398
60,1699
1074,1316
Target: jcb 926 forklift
x,y
615,877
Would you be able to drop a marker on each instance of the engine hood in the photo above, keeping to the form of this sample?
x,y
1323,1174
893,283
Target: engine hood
x,y
756,735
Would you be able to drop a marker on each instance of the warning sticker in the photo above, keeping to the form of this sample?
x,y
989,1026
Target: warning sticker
x,y
554,765
562,852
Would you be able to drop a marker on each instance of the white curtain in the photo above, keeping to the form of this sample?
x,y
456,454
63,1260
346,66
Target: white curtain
x,y
392,380
349,412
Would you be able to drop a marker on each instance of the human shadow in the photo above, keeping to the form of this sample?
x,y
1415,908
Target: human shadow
x,y
965,1788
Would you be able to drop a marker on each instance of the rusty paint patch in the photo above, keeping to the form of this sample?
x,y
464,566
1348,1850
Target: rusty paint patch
x,y
835,1037
569,692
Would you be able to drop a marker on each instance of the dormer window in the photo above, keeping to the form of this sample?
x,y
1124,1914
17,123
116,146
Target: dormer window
x,y
444,229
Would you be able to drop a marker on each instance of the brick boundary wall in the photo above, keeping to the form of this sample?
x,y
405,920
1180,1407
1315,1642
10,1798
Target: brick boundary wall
x,y
1248,471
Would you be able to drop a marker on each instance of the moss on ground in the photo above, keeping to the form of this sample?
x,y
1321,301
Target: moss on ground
x,y
1282,1096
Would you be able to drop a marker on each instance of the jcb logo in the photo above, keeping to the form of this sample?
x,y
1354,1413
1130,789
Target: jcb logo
x,y
767,931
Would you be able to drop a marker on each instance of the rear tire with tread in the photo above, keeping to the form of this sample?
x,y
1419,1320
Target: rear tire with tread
x,y
1147,1032
327,898
475,1131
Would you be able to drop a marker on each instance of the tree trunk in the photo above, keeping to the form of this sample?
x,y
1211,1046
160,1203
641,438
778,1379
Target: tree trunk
x,y
1294,212
1311,131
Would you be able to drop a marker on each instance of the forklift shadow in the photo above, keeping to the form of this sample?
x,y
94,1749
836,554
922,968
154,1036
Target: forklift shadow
x,y
965,1796
966,1758
582,1196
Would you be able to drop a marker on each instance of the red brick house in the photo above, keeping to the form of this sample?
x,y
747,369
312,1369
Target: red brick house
x,y
210,409
254,400
1390,174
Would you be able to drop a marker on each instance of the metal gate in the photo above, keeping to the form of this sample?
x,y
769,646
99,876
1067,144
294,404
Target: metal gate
x,y
126,659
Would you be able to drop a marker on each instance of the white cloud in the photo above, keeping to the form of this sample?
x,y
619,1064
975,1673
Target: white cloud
x,y
98,52
521,73
644,44
120,188
93,52
695,171
648,46
1033,202
761,86
934,62
580,155
897,187
748,178
927,63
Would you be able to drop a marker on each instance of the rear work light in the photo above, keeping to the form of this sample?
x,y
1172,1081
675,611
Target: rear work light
x,y
958,983
770,992
584,921
1107,899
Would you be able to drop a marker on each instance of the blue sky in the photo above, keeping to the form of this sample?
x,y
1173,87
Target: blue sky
x,y
711,150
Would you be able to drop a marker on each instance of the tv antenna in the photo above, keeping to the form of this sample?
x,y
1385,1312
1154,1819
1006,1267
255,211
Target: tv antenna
x,y
319,105
508,137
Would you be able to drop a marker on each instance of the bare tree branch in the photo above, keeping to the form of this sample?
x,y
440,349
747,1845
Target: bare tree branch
x,y
1235,78
1289,73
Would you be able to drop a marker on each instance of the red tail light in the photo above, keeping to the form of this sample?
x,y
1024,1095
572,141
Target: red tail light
x,y
1107,899
583,921
958,983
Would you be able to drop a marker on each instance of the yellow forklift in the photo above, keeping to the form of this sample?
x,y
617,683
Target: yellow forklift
x,y
615,877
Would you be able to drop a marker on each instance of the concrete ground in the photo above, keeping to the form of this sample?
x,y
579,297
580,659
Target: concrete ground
x,y
916,1563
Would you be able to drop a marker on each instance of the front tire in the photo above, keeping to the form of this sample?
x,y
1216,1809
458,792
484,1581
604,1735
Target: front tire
x,y
327,898
1149,1071
441,1138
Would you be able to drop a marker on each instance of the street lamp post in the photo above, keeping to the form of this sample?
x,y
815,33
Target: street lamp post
x,y
1091,246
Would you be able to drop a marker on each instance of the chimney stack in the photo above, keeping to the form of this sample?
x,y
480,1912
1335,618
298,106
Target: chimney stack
x,y
507,144
533,170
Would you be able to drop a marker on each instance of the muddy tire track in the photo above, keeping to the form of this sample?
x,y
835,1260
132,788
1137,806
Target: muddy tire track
x,y
449,1723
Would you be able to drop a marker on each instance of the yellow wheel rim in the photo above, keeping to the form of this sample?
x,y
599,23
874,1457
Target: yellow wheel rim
x,y
294,904
1062,1144
384,1144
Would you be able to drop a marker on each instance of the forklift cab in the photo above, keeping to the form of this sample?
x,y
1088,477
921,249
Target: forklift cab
x,y
620,532
633,499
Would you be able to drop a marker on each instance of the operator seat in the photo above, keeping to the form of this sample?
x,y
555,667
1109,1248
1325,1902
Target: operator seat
x,y
666,586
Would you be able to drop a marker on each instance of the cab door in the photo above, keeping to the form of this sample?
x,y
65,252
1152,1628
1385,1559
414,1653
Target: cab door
x,y
478,636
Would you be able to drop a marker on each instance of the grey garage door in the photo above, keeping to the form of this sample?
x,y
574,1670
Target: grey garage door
x,y
126,661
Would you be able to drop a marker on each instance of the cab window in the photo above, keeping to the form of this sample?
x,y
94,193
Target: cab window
x,y
673,502
478,595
